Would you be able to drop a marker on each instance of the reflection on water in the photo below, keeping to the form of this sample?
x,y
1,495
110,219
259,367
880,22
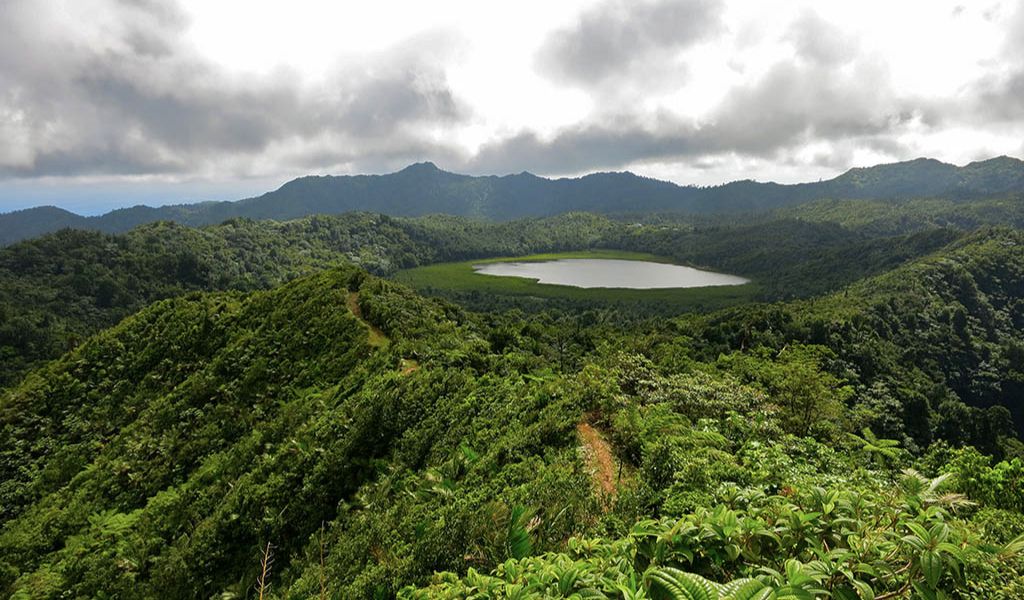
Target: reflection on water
x,y
610,273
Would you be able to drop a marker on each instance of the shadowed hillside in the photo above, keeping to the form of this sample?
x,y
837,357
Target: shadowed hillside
x,y
423,189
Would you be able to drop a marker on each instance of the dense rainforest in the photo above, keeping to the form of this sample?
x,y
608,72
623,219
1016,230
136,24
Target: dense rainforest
x,y
58,289
256,410
245,411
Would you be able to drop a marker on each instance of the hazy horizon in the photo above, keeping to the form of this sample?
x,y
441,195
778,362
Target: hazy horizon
x,y
113,103
98,199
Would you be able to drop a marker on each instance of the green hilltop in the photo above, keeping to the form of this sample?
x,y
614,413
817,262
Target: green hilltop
x,y
364,441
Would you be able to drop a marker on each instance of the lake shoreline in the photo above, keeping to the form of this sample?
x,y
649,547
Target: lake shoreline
x,y
458,282
608,273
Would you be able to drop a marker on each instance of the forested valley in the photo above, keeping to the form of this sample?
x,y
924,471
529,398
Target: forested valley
x,y
588,300
258,409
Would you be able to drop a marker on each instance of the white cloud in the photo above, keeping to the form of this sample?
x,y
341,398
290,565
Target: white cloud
x,y
696,91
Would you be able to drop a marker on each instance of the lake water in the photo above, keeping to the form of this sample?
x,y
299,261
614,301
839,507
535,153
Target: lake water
x,y
609,273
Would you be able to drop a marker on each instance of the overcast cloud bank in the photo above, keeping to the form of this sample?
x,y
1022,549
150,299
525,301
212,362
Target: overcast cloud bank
x,y
115,89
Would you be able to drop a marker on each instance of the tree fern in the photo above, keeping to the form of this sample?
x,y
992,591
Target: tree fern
x,y
877,449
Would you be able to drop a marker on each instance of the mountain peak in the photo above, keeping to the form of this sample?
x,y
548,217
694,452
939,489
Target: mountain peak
x,y
423,188
903,164
422,167
46,209
998,161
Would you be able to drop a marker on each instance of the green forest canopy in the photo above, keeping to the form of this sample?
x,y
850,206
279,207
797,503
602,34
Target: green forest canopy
x,y
763,446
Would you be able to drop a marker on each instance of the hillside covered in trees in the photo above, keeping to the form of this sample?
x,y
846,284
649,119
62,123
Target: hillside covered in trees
x,y
319,366
58,289
424,189
340,436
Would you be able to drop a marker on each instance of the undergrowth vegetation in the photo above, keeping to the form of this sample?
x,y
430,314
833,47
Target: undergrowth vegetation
x,y
340,436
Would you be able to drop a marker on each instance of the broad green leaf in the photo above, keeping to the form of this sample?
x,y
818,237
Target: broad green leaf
x,y
672,584
863,589
931,567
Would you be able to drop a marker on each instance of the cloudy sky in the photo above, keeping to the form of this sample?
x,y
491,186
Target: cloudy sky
x,y
117,102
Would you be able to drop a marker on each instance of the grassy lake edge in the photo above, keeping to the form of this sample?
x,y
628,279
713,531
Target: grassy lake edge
x,y
459,277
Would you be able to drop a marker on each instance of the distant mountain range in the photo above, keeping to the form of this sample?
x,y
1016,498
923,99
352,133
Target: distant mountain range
x,y
423,188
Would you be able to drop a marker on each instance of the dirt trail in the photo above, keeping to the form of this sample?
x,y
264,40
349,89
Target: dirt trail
x,y
598,454
376,336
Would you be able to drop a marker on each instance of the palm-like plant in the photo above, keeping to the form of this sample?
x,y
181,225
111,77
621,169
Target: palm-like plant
x,y
667,583
877,449
924,491
517,539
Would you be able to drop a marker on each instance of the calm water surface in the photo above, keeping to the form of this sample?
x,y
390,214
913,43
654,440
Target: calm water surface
x,y
610,273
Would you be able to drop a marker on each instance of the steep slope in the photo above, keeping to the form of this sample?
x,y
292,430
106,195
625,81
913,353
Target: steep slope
x,y
58,289
935,347
164,456
877,217
928,178
210,411
422,189
789,258
155,459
